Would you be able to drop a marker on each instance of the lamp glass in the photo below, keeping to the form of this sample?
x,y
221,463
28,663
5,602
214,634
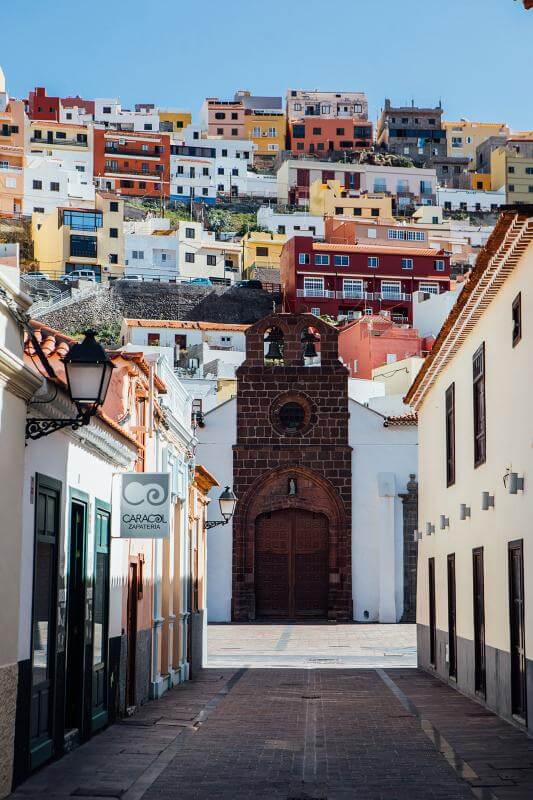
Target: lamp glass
x,y
87,382
227,502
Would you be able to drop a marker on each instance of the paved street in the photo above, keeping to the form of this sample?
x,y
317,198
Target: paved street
x,y
299,733
312,646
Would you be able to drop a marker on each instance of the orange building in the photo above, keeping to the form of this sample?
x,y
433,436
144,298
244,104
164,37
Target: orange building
x,y
132,164
320,135
12,120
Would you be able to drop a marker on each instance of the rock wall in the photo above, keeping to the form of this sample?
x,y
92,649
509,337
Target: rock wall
x,y
161,301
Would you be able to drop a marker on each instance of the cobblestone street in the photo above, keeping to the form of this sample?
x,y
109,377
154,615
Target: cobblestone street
x,y
297,733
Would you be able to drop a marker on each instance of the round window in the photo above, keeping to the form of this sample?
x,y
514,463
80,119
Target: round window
x,y
292,416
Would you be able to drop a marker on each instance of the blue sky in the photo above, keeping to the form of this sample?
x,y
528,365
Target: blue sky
x,y
475,55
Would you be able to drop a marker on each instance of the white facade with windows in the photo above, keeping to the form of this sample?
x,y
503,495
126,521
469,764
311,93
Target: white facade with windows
x,y
109,112
49,183
470,199
299,224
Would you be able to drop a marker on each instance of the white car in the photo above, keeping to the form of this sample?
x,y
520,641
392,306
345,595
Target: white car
x,y
137,278
80,275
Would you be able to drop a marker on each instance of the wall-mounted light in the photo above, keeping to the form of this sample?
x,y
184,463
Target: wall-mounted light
x,y
417,535
464,511
514,482
430,528
444,522
487,501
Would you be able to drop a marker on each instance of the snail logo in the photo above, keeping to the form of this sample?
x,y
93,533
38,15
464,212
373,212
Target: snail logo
x,y
145,505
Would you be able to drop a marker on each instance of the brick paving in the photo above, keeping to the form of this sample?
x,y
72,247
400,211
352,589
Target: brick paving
x,y
300,734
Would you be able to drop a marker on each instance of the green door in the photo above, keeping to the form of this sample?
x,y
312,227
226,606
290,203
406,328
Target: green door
x,y
100,616
44,612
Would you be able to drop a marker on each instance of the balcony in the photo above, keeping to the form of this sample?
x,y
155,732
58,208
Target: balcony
x,y
354,294
56,142
10,167
327,293
134,153
394,296
134,172
83,246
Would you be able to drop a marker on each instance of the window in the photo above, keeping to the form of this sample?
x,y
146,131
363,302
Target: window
x,y
220,171
261,252
106,110
391,290
352,288
373,261
391,358
358,212
339,210
380,185
439,265
220,131
450,435
317,131
211,261
281,229
189,258
220,115
38,210
113,233
235,171
341,261
220,187
315,311
113,206
321,260
256,132
478,377
372,233
147,126
234,132
54,186
234,115
313,287
163,256
428,288
510,170
511,187
113,258
224,153
80,168
205,170
517,319
153,339
303,258
83,246
61,135
189,233
374,212
37,184
407,263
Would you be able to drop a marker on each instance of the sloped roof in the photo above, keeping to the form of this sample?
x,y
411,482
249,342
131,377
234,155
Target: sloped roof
x,y
185,325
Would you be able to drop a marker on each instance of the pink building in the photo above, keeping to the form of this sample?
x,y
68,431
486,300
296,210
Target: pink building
x,y
373,341
224,118
12,119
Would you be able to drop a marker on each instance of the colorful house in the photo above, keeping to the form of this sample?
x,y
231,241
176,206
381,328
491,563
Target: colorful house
x,y
12,127
330,198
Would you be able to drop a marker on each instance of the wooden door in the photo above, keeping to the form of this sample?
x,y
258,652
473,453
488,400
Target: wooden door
x,y
452,618
133,595
44,618
291,564
479,621
100,617
432,614
517,632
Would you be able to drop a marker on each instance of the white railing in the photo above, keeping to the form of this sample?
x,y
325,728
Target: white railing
x,y
10,168
354,294
307,292
66,298
392,296
177,400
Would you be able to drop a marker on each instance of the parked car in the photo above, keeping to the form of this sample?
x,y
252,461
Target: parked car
x,y
80,275
251,284
36,276
137,278
201,281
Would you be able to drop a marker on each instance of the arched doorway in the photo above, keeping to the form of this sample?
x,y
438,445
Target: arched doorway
x,y
291,564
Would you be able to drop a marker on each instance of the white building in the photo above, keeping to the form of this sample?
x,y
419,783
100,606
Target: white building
x,y
298,224
156,252
431,310
109,112
50,183
470,199
475,565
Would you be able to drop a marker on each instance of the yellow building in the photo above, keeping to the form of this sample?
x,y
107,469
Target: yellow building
x,y
72,143
512,166
173,120
331,199
69,239
464,136
261,250
266,129
481,181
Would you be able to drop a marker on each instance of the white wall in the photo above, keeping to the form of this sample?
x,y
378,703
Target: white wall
x,y
472,198
382,460
215,453
429,314
269,219
75,188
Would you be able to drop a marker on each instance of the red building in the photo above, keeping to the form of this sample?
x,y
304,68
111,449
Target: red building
x,y
319,135
351,280
40,106
132,164
373,341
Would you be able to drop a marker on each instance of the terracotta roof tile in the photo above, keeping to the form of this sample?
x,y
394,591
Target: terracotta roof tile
x,y
185,325
401,421
368,248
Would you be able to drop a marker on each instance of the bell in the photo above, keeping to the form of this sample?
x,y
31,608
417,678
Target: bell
x,y
274,352
310,350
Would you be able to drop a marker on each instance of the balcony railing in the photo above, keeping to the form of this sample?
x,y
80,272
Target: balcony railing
x,y
315,293
134,153
10,168
354,294
133,171
392,296
55,142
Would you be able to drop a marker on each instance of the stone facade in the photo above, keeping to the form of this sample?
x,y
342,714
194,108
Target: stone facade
x,y
8,693
281,469
410,550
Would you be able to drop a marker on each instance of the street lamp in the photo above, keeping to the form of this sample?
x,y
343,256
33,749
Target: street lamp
x,y
88,369
227,502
